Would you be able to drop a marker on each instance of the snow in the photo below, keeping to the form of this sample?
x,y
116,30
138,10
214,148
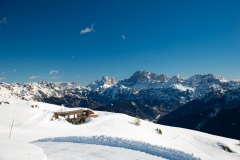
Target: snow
x,y
128,144
181,87
109,136
18,150
90,152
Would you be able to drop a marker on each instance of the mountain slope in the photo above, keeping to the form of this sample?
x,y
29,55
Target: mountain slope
x,y
216,113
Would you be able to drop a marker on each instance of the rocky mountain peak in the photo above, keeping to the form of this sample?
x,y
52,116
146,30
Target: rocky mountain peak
x,y
177,78
108,80
205,79
102,84
42,82
68,85
143,77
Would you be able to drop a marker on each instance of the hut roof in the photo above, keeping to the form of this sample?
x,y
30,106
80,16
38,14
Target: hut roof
x,y
70,112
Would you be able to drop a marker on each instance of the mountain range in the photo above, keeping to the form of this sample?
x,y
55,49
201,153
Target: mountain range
x,y
172,101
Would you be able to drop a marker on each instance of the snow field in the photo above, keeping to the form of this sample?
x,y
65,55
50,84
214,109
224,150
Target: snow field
x,y
80,151
116,131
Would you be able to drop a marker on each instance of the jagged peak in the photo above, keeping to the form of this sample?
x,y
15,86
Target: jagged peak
x,y
61,85
42,82
104,83
139,76
108,80
177,78
205,77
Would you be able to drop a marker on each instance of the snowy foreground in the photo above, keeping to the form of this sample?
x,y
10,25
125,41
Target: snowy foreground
x,y
110,136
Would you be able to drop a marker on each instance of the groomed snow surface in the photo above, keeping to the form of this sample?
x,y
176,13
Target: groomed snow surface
x,y
110,136
126,144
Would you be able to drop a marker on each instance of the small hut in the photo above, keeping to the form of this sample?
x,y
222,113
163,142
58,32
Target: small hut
x,y
75,116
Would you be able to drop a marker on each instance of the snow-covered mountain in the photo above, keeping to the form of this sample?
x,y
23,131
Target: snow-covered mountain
x,y
37,90
103,84
142,79
108,136
155,95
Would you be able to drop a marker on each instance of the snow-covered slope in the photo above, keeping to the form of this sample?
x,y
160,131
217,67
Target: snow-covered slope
x,y
109,136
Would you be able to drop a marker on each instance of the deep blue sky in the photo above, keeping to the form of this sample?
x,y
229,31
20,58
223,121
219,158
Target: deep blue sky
x,y
162,36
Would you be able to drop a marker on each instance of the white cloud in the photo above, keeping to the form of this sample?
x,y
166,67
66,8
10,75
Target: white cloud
x,y
8,72
88,29
53,72
2,78
40,77
123,36
34,77
3,21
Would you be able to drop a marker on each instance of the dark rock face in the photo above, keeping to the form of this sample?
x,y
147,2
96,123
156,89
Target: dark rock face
x,y
216,113
70,101
131,108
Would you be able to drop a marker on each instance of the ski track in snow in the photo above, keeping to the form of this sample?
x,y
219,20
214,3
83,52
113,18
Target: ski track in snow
x,y
158,151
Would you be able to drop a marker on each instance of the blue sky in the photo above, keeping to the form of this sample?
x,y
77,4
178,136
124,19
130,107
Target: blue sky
x,y
82,40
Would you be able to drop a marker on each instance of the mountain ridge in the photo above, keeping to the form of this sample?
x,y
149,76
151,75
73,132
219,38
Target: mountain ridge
x,y
157,93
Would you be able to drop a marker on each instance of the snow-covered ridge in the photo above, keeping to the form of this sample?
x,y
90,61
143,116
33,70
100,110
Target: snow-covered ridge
x,y
36,90
198,85
149,89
